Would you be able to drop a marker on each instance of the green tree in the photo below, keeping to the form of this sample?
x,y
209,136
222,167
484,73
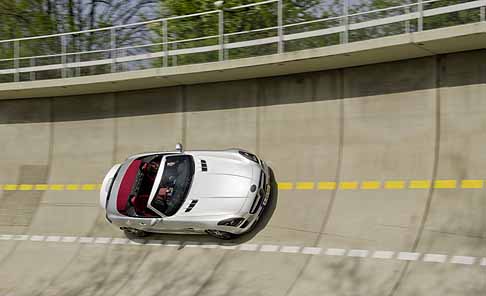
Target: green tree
x,y
25,18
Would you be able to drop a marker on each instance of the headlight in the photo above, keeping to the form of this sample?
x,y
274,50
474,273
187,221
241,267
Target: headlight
x,y
234,222
249,156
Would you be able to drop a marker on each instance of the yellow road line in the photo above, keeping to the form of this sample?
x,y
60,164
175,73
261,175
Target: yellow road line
x,y
56,187
348,185
25,187
419,184
472,184
305,186
285,186
326,185
41,186
445,184
72,187
369,185
88,187
10,187
394,184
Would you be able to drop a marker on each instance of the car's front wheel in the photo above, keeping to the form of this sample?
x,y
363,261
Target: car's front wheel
x,y
221,234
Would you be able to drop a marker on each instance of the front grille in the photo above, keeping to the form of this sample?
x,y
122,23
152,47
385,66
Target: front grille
x,y
191,205
204,166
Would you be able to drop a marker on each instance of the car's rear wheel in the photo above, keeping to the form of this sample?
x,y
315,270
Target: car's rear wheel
x,y
135,232
221,234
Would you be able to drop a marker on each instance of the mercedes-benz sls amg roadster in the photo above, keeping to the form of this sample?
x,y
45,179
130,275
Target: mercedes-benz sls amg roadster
x,y
221,193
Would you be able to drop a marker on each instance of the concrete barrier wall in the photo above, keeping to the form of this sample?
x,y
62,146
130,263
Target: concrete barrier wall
x,y
418,119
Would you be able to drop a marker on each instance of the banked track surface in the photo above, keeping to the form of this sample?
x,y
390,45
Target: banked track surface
x,y
422,119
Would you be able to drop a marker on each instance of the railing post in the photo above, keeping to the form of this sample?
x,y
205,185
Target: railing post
x,y
420,8
221,34
407,22
63,56
165,42
32,73
345,22
113,49
16,60
280,26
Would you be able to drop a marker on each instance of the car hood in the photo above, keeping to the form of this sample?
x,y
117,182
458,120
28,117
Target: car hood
x,y
206,185
222,189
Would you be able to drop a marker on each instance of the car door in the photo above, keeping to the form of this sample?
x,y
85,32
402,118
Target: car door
x,y
146,224
174,177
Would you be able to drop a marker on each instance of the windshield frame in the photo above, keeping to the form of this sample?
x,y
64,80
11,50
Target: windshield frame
x,y
158,180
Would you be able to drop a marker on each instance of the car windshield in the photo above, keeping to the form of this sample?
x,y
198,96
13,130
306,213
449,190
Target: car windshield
x,y
174,185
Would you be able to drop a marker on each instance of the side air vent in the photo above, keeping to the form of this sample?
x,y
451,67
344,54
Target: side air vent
x,y
204,166
193,203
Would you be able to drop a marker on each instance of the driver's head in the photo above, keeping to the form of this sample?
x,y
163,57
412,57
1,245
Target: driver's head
x,y
152,167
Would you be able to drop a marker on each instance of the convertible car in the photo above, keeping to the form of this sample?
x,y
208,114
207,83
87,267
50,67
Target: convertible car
x,y
221,193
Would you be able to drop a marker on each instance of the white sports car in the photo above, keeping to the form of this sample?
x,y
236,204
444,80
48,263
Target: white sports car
x,y
221,193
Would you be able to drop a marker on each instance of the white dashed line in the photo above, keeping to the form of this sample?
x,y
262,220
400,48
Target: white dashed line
x,y
86,240
311,251
383,254
119,241
358,253
408,256
269,248
69,239
53,238
209,246
228,247
264,248
463,260
335,252
438,258
483,262
290,249
102,240
248,247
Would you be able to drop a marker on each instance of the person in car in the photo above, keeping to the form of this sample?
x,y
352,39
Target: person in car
x,y
150,170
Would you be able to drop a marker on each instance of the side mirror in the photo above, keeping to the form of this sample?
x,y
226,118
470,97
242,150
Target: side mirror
x,y
179,148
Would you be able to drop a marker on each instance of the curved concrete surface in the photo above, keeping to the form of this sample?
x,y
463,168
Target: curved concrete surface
x,y
421,119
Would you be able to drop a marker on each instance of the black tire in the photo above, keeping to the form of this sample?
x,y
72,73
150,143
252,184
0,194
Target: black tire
x,y
132,232
221,234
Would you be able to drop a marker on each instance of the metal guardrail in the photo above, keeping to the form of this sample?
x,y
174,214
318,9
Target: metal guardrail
x,y
66,60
